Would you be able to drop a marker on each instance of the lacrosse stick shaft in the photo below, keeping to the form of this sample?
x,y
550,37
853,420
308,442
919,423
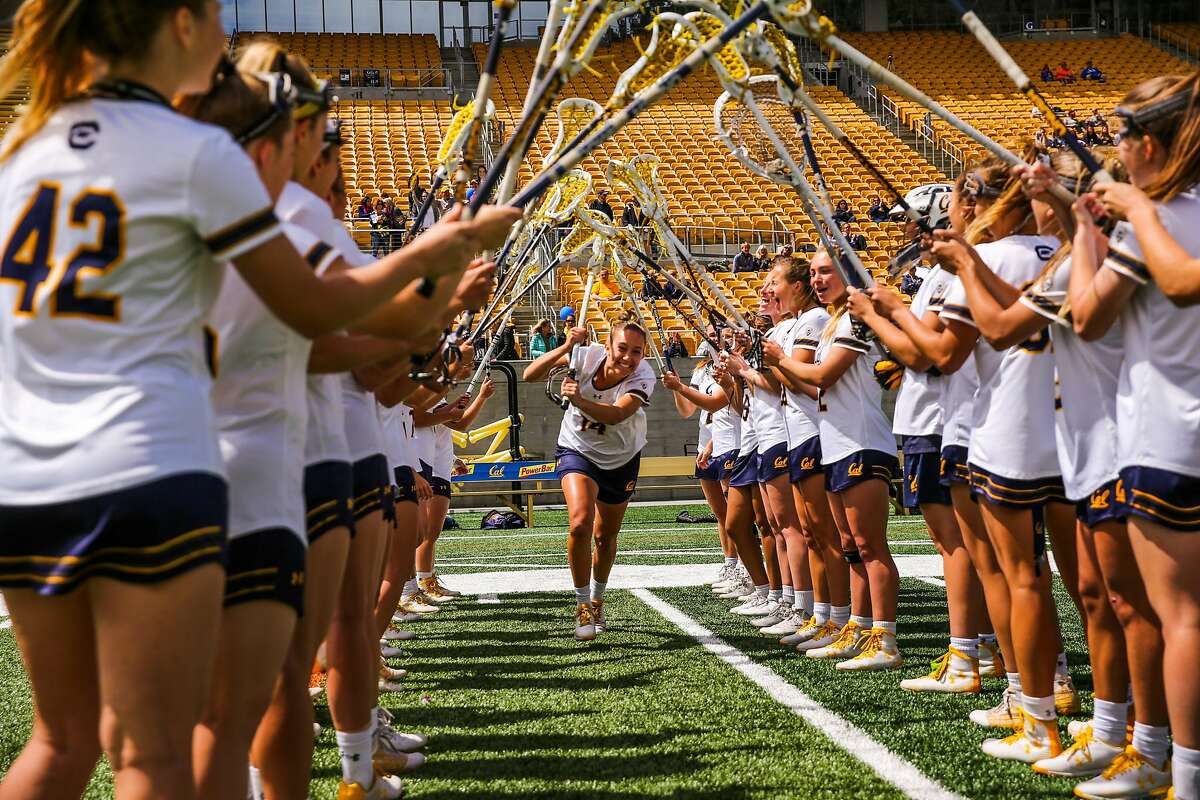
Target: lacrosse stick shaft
x,y
438,179
513,302
644,99
881,73
486,360
1014,72
483,92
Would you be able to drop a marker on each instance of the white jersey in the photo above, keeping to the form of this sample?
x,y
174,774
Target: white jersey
x,y
396,442
701,379
424,445
1013,423
443,452
117,216
606,446
326,439
724,425
748,436
1088,374
851,411
1158,397
261,403
958,394
767,407
804,333
919,409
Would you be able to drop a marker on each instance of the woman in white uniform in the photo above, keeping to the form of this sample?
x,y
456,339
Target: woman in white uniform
x,y
1146,280
599,452
858,452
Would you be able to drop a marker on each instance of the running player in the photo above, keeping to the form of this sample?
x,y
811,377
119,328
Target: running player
x,y
599,452
858,453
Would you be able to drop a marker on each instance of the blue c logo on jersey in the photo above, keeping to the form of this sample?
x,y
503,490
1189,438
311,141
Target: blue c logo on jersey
x,y
1045,252
83,135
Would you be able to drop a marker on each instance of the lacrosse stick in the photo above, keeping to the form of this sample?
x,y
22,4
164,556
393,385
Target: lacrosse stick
x,y
1014,72
656,351
449,154
483,94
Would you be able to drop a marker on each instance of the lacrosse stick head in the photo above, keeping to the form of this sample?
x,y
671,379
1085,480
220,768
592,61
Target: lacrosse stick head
x,y
770,46
798,18
579,237
738,127
731,68
566,196
639,177
573,114
460,127
670,44
584,27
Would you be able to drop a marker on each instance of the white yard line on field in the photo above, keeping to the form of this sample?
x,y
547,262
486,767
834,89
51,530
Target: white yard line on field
x,y
880,760
563,532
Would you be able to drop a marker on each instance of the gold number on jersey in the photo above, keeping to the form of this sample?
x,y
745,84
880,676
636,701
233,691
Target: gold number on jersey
x,y
27,255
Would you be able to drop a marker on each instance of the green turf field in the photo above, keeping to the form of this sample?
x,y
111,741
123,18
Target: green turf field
x,y
515,708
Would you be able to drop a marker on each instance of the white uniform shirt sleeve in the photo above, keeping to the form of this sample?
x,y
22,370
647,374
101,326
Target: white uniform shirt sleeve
x,y
806,333
1048,295
230,208
955,305
1125,254
641,383
846,338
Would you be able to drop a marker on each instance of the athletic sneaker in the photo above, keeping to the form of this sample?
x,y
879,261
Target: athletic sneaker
x,y
756,606
1002,715
585,625
805,632
598,616
991,662
389,674
407,742
737,589
395,753
1130,775
842,645
1034,741
1076,727
877,651
724,575
389,651
443,588
401,617
394,634
1066,698
790,624
1086,757
945,678
416,604
776,612
385,787
430,588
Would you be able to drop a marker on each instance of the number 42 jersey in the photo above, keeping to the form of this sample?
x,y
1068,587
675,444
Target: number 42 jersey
x,y
112,220
606,446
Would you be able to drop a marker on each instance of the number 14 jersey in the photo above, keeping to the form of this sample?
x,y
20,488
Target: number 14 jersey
x,y
606,446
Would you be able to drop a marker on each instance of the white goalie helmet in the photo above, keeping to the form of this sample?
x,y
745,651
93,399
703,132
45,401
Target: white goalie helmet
x,y
930,200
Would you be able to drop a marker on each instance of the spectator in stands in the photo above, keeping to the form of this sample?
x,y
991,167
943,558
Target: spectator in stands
x,y
855,237
743,261
878,212
606,287
891,62
762,259
472,187
1069,120
364,209
379,228
675,347
566,315
785,251
542,339
1063,73
911,281
671,291
1091,73
601,205
651,288
444,203
396,223
416,195
843,213
1042,140
507,349
1047,73
631,216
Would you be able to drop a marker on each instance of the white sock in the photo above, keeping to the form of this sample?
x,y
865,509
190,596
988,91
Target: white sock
x,y
730,562
1185,768
423,575
761,590
357,748
804,599
1060,668
987,638
1014,682
1152,742
839,615
789,595
256,787
583,594
886,627
774,594
865,622
1109,721
969,650
598,590
821,612
1040,708
410,588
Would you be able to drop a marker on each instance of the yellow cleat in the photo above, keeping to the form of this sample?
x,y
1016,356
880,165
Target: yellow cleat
x,y
585,624
844,643
598,617
431,591
1066,698
1130,775
877,651
991,661
384,787
1087,757
1034,741
442,588
1005,714
946,679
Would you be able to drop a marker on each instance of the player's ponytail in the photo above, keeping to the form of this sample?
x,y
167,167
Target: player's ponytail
x,y
1167,108
59,44
997,221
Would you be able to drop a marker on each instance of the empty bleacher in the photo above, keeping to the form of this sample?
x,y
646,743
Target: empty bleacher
x,y
403,57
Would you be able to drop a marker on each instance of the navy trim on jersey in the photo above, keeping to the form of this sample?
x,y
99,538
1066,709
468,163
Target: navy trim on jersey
x,y
233,235
1161,496
615,486
143,534
317,254
266,565
328,489
957,310
1130,266
851,344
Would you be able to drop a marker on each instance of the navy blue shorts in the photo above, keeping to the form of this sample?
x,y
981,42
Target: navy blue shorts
x,y
440,486
1161,496
616,485
726,462
1016,493
710,473
953,467
1101,506
745,470
371,483
804,460
328,487
865,465
144,534
773,463
923,473
266,565
404,490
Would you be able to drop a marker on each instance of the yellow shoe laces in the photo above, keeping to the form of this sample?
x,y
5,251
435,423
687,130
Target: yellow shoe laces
x,y
870,644
1128,760
1082,744
939,666
583,614
848,635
